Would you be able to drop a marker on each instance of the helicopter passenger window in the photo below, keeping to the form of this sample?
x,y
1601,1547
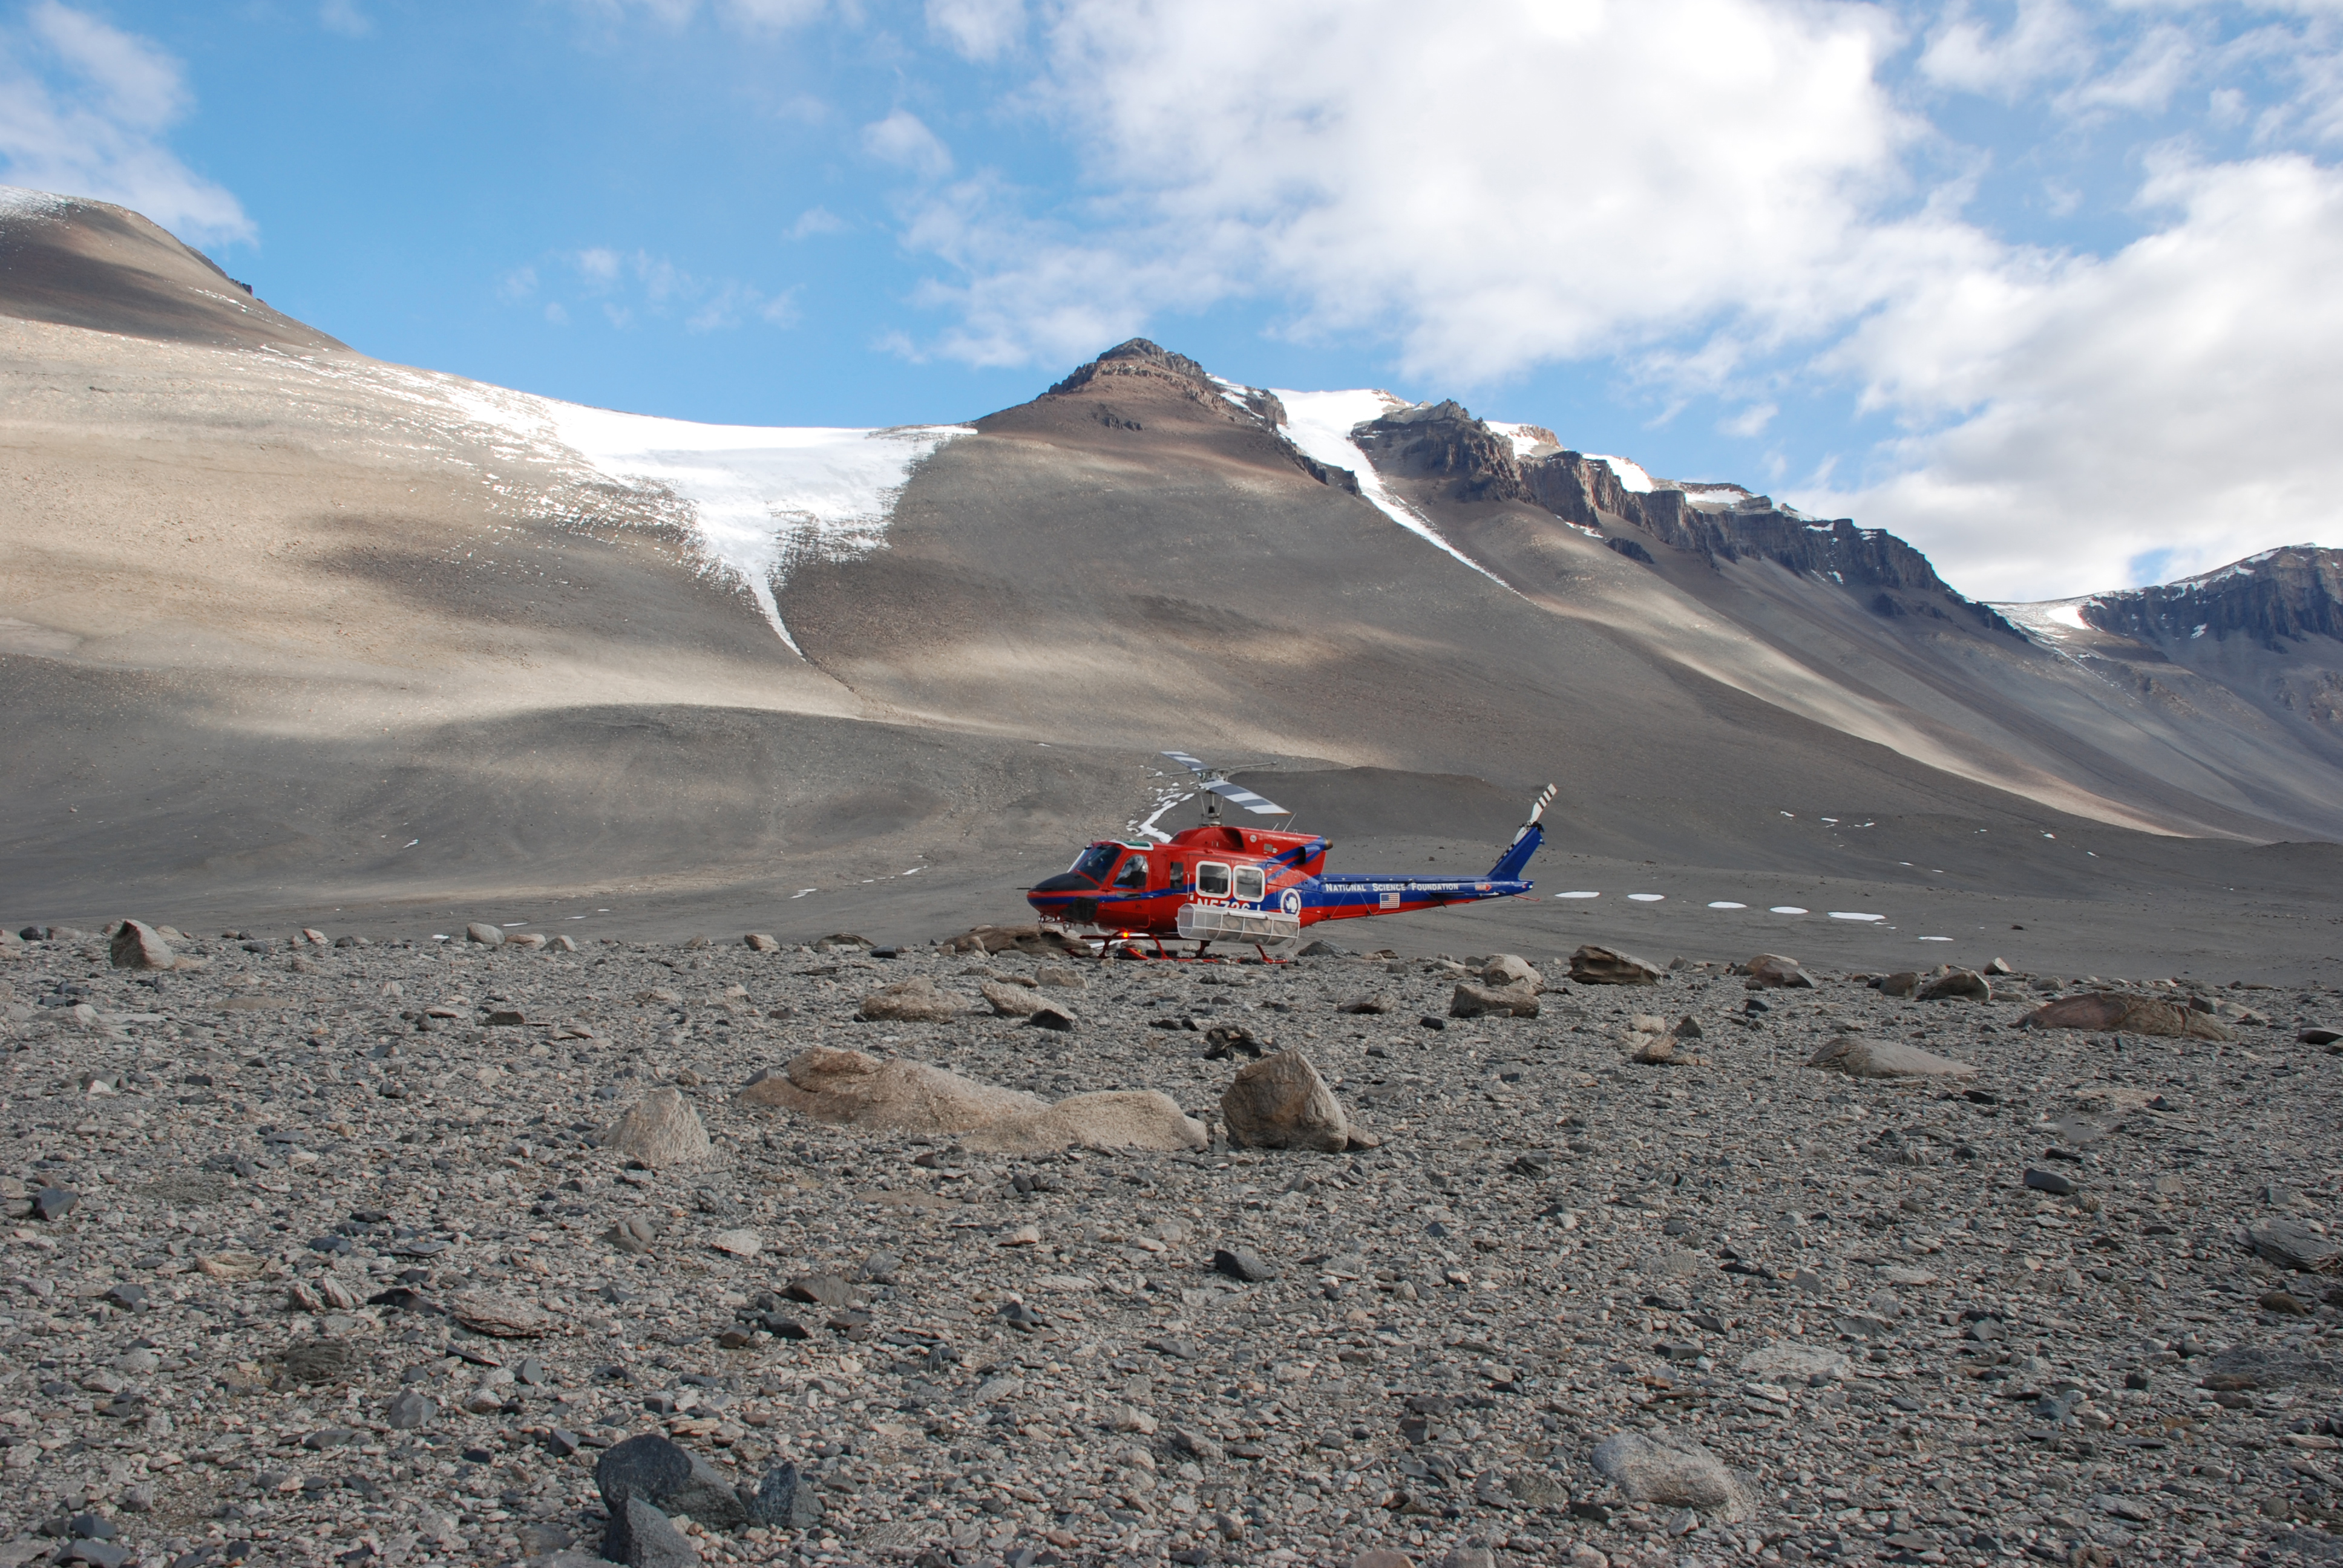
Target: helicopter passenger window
x,y
1211,879
1178,872
1133,873
1248,882
1096,862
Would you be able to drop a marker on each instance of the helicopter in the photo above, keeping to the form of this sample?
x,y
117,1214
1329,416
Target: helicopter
x,y
1222,881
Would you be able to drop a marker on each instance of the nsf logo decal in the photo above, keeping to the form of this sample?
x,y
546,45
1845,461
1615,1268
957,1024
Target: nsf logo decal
x,y
1291,902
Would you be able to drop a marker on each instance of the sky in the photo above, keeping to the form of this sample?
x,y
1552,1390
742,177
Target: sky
x,y
2049,288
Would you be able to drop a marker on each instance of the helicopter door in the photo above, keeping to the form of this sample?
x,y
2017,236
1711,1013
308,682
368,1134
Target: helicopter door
x,y
1133,875
1249,884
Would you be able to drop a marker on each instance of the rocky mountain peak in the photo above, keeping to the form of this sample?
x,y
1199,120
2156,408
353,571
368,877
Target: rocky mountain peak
x,y
2287,594
1471,460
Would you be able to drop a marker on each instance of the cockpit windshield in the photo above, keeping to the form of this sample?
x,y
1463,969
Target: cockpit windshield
x,y
1097,861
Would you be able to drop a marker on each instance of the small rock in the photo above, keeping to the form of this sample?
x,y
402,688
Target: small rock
x,y
1785,1361
1022,1236
409,1410
1512,969
2292,1245
1860,1058
632,1235
1052,1016
1592,965
1058,975
819,1289
1482,1002
1957,985
661,1130
1652,1049
139,946
1373,1006
1007,1000
759,943
1772,971
53,1203
1903,982
740,1243
918,999
2287,1303
780,1503
1238,1264
486,935
1281,1102
1999,967
2050,1182
1688,1027
1675,1472
648,1538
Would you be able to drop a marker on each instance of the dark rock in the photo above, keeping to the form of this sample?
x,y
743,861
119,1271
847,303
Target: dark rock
x,y
2052,1182
1052,1016
641,1536
781,1501
53,1203
645,1465
1223,1041
1238,1264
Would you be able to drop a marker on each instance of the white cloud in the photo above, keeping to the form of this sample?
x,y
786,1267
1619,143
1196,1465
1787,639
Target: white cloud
x,y
816,220
655,285
903,140
344,16
1750,421
977,29
1532,180
2046,38
2173,403
84,109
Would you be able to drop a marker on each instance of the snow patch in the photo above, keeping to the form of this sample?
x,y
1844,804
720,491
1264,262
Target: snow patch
x,y
1524,443
1726,904
1578,895
1319,424
1647,897
1631,476
1787,910
759,499
2069,614
15,201
1854,915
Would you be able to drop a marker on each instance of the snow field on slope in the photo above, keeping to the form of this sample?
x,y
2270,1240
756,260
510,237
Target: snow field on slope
x,y
758,499
1320,423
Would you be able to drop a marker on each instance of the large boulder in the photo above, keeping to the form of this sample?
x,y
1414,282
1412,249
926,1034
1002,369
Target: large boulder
x,y
1281,1102
1037,940
1109,1119
1673,1473
915,1001
1772,971
649,1469
1502,1000
659,1130
2291,1245
1510,969
139,946
852,1089
1009,1000
2114,1012
1859,1058
1955,985
1592,965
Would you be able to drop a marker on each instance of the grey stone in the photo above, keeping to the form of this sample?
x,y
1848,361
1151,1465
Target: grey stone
x,y
1240,1263
641,1536
408,1410
138,946
1281,1102
1672,1472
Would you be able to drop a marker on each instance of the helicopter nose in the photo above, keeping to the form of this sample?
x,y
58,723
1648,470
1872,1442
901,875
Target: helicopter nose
x,y
1064,882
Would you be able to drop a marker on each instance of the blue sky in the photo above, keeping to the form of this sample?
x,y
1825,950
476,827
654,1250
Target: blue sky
x,y
2046,287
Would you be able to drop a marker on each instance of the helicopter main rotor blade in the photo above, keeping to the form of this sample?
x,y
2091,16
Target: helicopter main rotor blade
x,y
1189,763
1238,794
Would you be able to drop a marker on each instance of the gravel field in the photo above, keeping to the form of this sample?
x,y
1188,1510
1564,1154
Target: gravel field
x,y
315,1254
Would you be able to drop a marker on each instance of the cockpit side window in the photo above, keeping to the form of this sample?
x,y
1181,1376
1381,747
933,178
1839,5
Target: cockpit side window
x,y
1211,879
1133,874
1096,862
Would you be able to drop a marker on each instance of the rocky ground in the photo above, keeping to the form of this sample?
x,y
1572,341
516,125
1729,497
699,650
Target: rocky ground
x,y
315,1254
